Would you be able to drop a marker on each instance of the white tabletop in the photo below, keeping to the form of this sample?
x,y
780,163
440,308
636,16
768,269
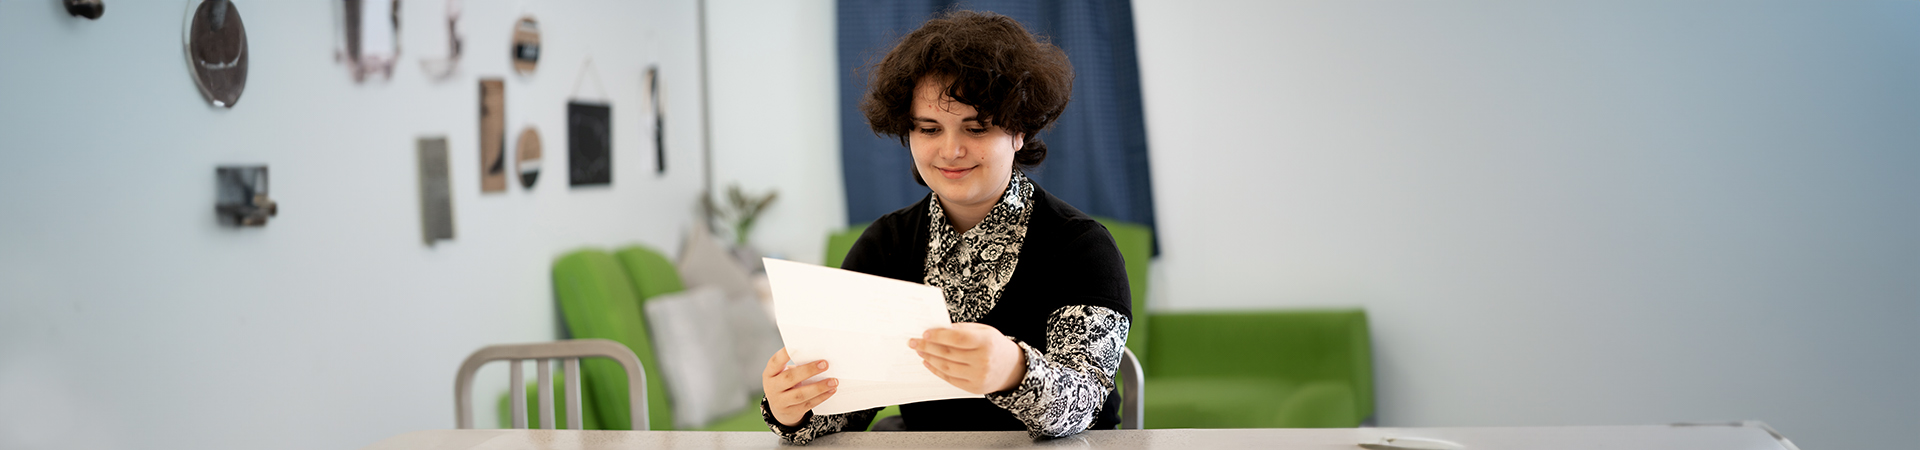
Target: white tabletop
x,y
1752,436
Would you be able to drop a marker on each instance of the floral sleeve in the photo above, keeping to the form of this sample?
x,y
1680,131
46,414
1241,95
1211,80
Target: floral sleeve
x,y
813,426
1065,386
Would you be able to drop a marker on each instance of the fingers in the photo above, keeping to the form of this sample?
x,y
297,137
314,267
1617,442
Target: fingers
x,y
811,395
796,374
775,364
930,349
951,377
961,336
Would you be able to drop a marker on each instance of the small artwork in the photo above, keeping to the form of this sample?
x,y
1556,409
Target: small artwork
x,y
217,52
527,157
659,120
589,144
90,9
443,69
242,198
368,41
493,135
526,45
436,191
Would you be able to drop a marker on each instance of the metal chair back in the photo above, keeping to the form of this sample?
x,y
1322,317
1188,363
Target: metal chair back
x,y
1132,392
569,352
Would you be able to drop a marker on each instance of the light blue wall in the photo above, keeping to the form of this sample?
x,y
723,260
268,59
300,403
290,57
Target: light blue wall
x,y
129,319
1561,213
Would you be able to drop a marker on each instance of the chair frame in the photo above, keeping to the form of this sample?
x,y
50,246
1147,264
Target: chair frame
x,y
569,352
1133,392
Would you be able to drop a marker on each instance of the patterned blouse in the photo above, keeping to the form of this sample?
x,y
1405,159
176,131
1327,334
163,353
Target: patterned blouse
x,y
1065,385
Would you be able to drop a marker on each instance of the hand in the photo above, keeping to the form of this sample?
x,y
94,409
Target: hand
x,y
973,357
786,398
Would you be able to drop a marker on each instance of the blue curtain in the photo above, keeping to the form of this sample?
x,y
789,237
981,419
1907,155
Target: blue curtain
x,y
1097,151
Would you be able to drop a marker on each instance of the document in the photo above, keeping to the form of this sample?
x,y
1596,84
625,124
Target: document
x,y
860,325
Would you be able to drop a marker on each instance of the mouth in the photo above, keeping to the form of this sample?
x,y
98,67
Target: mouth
x,y
954,174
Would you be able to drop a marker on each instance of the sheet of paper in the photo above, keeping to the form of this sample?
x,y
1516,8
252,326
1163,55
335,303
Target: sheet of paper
x,y
860,325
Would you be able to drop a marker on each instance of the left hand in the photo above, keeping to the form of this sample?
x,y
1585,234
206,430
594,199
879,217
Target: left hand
x,y
973,357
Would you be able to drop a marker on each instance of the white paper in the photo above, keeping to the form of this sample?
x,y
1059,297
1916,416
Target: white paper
x,y
860,325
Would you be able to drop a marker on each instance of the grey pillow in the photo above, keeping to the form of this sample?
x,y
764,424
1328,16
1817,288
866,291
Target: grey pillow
x,y
694,343
703,263
755,338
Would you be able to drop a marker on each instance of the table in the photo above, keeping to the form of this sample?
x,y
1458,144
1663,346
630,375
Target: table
x,y
1735,436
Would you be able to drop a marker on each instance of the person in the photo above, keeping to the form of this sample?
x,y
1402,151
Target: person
x,y
1037,290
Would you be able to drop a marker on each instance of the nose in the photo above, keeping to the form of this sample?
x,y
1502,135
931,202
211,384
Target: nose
x,y
952,146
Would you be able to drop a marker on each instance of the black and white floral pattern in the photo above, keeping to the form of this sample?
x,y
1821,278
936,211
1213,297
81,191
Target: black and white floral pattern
x,y
972,267
1065,387
813,426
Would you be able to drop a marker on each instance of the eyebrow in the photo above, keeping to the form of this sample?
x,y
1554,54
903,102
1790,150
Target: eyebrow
x,y
924,119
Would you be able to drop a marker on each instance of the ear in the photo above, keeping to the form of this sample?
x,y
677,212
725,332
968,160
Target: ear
x,y
1019,141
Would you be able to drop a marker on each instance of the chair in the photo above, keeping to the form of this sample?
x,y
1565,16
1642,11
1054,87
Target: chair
x,y
569,352
1133,395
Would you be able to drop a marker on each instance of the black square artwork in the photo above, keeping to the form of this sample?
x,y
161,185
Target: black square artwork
x,y
589,144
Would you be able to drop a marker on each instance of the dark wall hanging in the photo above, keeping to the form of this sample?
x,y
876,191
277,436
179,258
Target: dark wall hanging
x,y
589,143
369,37
90,9
216,43
526,45
241,198
527,157
659,120
436,190
493,135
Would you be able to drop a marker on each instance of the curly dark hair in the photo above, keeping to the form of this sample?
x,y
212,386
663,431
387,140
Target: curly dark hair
x,y
1016,80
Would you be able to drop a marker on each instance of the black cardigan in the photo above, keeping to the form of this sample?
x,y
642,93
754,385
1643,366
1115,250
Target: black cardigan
x,y
1066,259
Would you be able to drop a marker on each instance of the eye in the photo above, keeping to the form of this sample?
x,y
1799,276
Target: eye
x,y
977,131
927,130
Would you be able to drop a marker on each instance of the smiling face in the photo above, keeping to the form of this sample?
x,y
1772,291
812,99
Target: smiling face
x,y
966,160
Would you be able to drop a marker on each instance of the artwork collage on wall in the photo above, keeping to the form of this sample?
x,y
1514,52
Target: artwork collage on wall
x,y
367,43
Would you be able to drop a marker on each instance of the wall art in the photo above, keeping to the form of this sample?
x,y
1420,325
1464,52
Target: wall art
x,y
241,197
659,120
442,69
436,190
526,45
369,38
527,156
216,45
90,9
589,143
493,135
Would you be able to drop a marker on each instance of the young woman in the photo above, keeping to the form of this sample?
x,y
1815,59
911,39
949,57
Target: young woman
x,y
1037,289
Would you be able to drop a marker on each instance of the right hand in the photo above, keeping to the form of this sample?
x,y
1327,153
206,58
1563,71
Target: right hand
x,y
788,400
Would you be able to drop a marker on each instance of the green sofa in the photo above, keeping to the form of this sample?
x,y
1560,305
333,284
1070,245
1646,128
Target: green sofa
x,y
1234,369
601,296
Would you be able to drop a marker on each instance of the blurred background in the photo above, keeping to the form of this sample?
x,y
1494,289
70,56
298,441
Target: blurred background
x,y
1576,213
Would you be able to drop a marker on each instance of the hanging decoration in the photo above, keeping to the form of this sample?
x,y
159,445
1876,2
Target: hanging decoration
x,y
242,198
216,45
442,69
659,120
90,9
589,132
493,135
369,38
527,156
436,190
526,45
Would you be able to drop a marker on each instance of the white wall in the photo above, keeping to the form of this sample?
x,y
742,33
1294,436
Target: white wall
x,y
776,118
1560,213
129,319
